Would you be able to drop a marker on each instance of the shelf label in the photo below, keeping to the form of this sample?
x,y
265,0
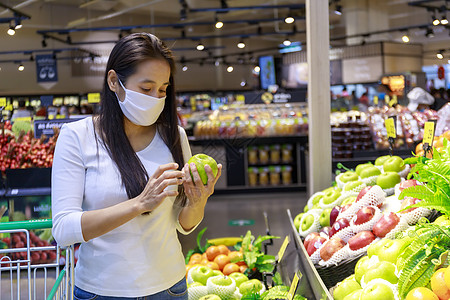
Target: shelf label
x,y
93,97
428,133
393,101
375,100
3,101
386,99
9,107
390,128
283,248
294,285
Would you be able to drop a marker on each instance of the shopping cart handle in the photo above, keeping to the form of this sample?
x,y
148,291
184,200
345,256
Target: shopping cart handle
x,y
30,224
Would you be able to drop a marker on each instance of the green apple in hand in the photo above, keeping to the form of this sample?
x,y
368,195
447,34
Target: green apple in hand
x,y
384,270
324,218
239,278
251,286
297,220
201,274
393,164
200,161
354,295
346,287
348,176
307,222
353,185
363,265
377,291
331,196
361,167
370,172
348,200
380,160
388,180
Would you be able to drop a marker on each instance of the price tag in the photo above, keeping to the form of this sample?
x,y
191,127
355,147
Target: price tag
x,y
93,97
283,248
9,107
3,101
393,101
375,100
390,128
428,133
28,119
386,99
294,285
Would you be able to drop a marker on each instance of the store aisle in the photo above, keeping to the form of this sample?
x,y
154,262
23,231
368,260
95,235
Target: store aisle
x,y
223,213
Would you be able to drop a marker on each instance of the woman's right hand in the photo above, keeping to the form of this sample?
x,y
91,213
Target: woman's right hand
x,y
155,191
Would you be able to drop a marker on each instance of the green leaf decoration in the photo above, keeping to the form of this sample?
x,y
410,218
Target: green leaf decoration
x,y
199,238
257,243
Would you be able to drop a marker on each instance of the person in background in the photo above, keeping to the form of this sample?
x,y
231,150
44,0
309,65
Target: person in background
x,y
363,102
21,111
121,185
73,110
439,99
64,111
354,100
419,99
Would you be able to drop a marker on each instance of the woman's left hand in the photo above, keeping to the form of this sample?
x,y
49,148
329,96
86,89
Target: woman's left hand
x,y
195,190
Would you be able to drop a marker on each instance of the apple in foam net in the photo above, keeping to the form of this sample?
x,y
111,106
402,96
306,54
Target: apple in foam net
x,y
331,196
346,287
339,225
359,168
408,201
384,270
297,220
407,183
309,238
364,215
388,250
332,246
393,164
388,180
334,214
348,176
370,172
325,231
361,240
352,185
345,207
348,200
380,160
385,224
315,244
324,218
201,274
307,222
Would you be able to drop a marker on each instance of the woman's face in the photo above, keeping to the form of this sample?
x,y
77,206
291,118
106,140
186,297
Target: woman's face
x,y
151,78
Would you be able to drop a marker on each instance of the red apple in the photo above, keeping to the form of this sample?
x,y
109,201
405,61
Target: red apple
x,y
408,201
325,232
315,244
384,225
361,240
364,215
362,193
339,225
334,213
309,238
407,183
330,247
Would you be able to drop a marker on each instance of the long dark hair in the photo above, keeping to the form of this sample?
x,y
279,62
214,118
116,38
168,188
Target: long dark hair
x,y
126,55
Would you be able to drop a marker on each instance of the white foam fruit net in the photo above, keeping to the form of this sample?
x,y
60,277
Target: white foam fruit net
x,y
354,253
356,189
315,225
338,201
372,180
196,292
401,227
413,216
345,234
339,182
391,191
368,225
310,200
337,257
374,197
315,257
404,173
220,290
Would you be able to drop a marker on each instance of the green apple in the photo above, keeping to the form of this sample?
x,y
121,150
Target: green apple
x,y
307,222
370,172
239,278
200,161
361,167
210,297
443,220
377,291
388,180
348,200
222,286
306,208
194,284
251,286
380,160
354,295
388,250
217,273
331,196
365,263
384,270
348,176
393,164
324,218
346,287
331,188
201,274
316,199
297,220
352,185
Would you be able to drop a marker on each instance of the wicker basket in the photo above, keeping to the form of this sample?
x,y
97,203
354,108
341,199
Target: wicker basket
x,y
332,275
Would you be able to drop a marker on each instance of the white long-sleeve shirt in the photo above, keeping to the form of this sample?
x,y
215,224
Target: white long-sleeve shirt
x,y
139,258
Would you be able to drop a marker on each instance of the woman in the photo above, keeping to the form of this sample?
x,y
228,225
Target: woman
x,y
118,182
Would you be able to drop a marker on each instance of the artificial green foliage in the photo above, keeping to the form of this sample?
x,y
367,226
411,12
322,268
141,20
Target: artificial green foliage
x,y
279,292
253,256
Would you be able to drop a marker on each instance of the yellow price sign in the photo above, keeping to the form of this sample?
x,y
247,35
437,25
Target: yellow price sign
x,y
283,248
375,100
3,101
390,128
28,119
9,107
386,99
93,98
428,133
294,285
393,102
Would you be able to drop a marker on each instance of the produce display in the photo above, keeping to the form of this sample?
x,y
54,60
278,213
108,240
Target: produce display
x,y
20,150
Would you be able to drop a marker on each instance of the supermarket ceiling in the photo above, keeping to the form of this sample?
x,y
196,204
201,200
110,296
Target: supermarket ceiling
x,y
185,24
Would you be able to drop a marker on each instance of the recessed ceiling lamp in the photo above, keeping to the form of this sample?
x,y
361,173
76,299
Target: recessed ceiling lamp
x,y
200,47
440,54
21,67
405,38
241,44
230,69
289,20
338,10
11,31
219,24
436,21
286,42
184,68
444,20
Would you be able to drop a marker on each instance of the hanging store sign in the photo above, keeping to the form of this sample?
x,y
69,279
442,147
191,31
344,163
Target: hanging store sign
x,y
46,69
46,126
360,70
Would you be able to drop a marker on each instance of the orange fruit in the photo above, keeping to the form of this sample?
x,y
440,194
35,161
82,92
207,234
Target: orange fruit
x,y
230,268
212,252
419,148
221,260
438,141
421,293
223,249
204,262
447,277
212,265
204,256
438,284
447,135
196,258
242,268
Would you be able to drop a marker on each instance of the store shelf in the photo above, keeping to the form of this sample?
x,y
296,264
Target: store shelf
x,y
262,189
24,192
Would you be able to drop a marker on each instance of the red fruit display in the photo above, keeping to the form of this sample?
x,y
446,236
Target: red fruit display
x,y
325,232
364,215
331,247
408,201
339,225
334,214
361,240
362,193
315,244
384,225
309,238
345,207
407,183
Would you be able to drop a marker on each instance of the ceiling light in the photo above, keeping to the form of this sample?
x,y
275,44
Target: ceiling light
x,y
217,63
219,24
430,33
289,20
405,38
444,20
18,25
257,69
287,42
338,10
11,30
230,69
184,68
243,83
21,67
440,54
241,44
200,47
436,21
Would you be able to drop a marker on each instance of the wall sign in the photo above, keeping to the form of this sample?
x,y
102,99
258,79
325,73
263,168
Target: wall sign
x,y
363,69
46,69
46,126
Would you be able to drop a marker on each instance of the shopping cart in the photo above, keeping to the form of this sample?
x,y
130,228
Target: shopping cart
x,y
19,270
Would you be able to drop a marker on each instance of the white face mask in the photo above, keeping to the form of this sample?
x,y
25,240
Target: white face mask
x,y
139,108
